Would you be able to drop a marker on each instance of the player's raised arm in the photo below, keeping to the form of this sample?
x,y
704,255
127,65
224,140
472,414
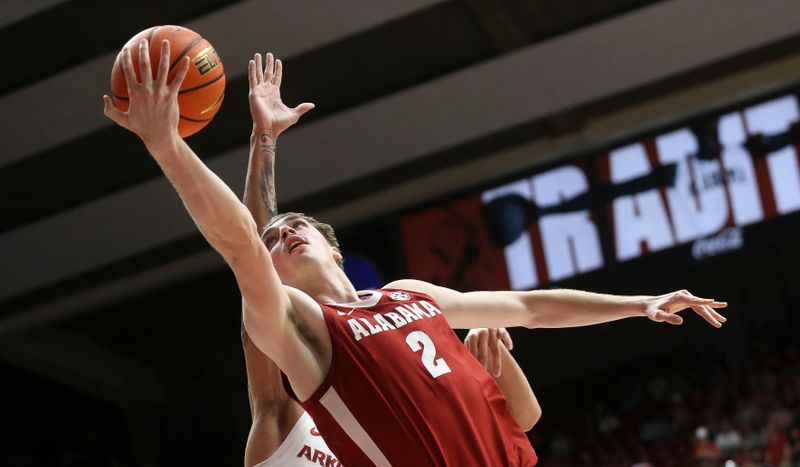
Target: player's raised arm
x,y
271,117
222,219
491,347
274,413
560,308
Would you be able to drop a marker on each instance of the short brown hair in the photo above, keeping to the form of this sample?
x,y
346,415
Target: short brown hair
x,y
325,229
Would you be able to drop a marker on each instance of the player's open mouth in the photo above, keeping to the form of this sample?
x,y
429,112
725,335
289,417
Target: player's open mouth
x,y
292,243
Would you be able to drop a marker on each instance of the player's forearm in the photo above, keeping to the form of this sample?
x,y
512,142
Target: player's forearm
x,y
218,213
569,308
259,189
521,400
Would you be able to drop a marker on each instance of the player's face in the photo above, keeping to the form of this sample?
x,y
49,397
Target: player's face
x,y
294,244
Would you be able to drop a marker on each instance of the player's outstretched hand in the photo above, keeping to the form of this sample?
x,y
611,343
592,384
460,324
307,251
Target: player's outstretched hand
x,y
665,308
153,107
485,346
269,113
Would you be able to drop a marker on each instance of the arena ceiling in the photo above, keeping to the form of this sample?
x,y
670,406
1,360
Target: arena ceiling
x,y
102,268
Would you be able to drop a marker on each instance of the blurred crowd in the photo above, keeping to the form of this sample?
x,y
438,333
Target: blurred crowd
x,y
741,410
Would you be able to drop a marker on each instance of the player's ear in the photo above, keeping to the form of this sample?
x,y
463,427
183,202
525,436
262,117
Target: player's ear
x,y
337,255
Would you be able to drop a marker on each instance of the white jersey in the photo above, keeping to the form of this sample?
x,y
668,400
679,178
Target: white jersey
x,y
303,447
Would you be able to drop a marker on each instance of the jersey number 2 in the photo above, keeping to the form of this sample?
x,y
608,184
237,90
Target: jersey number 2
x,y
419,340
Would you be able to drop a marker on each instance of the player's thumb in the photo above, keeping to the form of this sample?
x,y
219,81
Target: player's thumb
x,y
111,111
670,318
303,108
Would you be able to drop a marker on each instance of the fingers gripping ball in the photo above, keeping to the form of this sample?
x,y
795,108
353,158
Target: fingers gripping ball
x,y
203,88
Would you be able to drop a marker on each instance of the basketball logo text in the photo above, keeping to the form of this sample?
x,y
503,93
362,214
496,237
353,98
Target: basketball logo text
x,y
206,60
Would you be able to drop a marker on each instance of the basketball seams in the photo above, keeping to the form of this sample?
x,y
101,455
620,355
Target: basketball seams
x,y
152,33
201,86
192,105
194,120
187,49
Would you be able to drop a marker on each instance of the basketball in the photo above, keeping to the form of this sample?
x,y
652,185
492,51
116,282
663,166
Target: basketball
x,y
203,89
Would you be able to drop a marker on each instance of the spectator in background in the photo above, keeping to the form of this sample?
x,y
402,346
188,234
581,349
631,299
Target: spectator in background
x,y
794,446
705,452
752,458
756,435
729,440
781,417
777,452
609,423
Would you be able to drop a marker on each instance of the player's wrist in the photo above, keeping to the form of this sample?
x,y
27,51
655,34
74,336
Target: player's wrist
x,y
638,304
264,131
161,144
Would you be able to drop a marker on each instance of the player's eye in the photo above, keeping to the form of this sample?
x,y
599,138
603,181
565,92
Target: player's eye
x,y
270,242
298,224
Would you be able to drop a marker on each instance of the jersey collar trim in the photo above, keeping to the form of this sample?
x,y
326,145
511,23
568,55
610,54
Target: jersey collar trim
x,y
372,300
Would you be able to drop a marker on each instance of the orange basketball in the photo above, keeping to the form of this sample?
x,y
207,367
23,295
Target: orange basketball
x,y
203,88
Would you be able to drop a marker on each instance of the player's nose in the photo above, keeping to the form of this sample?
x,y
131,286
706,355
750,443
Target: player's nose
x,y
286,230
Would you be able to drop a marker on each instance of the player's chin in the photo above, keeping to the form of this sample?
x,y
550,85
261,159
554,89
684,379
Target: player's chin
x,y
299,249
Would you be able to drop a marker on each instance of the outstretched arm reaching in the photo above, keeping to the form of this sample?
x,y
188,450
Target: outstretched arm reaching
x,y
560,308
274,413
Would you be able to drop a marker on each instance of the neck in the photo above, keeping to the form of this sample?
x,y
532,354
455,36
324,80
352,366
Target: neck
x,y
330,286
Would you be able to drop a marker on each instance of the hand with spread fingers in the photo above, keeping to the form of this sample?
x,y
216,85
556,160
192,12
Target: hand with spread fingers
x,y
269,113
153,112
666,307
484,344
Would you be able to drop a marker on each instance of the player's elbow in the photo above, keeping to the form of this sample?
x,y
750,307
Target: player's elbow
x,y
532,318
530,418
236,238
535,417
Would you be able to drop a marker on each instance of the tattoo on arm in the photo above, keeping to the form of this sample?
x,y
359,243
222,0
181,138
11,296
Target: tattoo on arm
x,y
267,145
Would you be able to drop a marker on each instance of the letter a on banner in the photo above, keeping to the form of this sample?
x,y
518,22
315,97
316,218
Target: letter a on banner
x,y
640,218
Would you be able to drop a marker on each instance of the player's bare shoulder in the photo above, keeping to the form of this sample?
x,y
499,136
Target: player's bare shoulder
x,y
412,285
306,316
442,295
301,303
305,313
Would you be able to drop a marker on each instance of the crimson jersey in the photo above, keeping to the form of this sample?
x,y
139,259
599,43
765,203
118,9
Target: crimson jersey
x,y
403,390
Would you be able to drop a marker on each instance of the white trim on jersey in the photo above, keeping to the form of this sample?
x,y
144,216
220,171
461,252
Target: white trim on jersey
x,y
345,418
299,436
372,300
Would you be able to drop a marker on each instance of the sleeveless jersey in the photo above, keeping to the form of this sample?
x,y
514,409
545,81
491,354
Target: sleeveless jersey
x,y
403,390
303,447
